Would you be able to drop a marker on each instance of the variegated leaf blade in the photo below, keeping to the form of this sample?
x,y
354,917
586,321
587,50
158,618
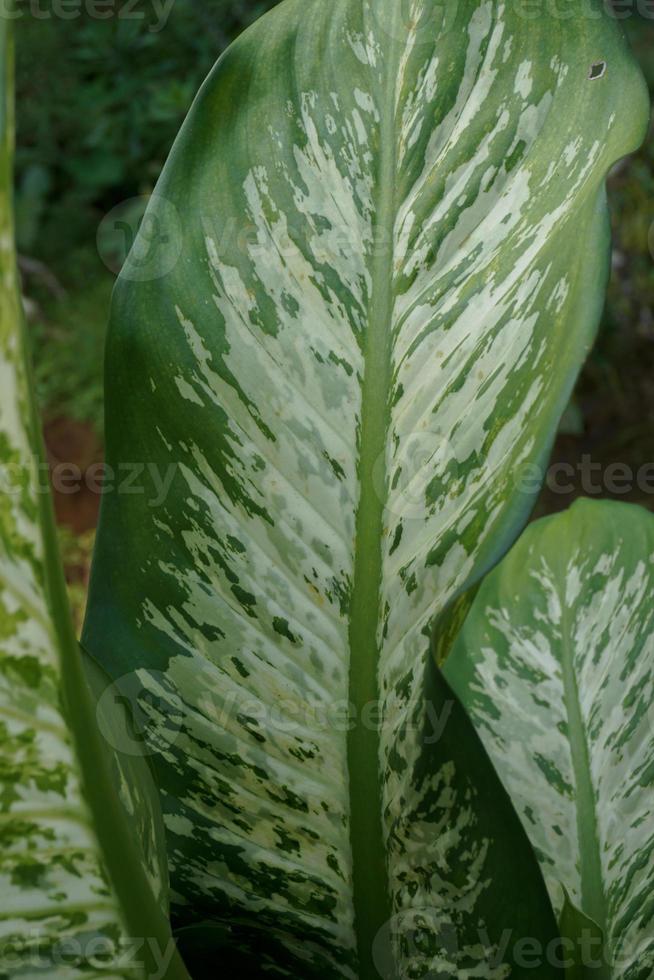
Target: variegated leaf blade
x,y
351,320
554,665
63,915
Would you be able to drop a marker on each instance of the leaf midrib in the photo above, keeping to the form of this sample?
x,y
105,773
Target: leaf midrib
x,y
372,907
593,894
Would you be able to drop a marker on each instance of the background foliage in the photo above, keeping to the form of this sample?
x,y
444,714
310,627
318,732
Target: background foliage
x,y
99,104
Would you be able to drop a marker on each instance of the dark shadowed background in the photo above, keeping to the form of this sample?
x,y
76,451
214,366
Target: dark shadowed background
x,y
102,88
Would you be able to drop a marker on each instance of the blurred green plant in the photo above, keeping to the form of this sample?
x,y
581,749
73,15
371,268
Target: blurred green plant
x,y
117,92
67,333
630,306
614,400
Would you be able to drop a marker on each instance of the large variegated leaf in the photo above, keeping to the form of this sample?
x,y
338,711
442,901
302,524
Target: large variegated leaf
x,y
351,320
555,665
76,892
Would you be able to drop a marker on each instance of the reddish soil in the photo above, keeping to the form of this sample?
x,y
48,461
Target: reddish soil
x,y
74,454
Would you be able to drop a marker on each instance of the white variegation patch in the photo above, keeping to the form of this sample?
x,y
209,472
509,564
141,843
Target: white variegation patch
x,y
555,666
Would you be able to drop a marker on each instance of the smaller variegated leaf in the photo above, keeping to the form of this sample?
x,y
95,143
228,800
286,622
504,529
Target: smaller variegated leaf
x,y
555,665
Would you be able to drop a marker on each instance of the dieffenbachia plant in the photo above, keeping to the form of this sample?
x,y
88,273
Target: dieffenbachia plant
x,y
82,889
349,325
555,665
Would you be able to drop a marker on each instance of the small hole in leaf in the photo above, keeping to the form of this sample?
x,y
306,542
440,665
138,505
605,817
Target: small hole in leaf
x,y
597,70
